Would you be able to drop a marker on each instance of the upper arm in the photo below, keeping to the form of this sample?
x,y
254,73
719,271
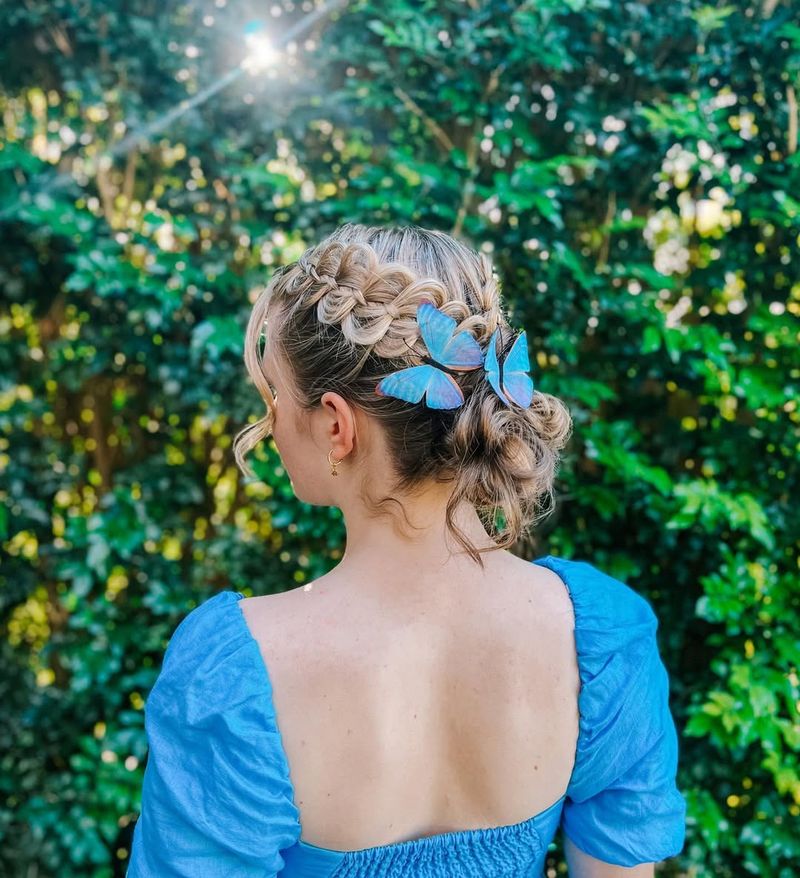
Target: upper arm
x,y
582,865
623,810
216,799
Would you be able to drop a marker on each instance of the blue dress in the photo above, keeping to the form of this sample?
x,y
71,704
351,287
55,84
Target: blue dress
x,y
217,799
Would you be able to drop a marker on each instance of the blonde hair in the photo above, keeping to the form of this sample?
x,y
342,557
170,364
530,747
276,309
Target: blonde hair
x,y
345,316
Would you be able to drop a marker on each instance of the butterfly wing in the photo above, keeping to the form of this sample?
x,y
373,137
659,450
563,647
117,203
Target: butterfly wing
x,y
436,328
519,387
492,367
517,383
413,383
517,359
408,384
443,391
460,351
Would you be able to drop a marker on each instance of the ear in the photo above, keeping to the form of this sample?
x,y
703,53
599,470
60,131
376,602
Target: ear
x,y
339,423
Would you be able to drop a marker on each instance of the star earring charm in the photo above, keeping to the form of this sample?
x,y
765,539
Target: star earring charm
x,y
333,463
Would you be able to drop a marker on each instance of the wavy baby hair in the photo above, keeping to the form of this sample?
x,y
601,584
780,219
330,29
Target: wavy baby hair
x,y
343,316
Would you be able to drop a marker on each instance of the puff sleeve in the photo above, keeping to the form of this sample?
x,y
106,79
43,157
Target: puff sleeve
x,y
622,804
216,796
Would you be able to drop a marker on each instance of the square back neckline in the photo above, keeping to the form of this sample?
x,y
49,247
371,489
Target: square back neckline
x,y
439,838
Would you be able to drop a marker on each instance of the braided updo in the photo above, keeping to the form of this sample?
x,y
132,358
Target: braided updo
x,y
345,316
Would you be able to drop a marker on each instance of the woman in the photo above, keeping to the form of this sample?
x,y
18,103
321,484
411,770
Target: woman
x,y
435,705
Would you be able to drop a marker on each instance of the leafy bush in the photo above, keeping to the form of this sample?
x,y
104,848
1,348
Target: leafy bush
x,y
631,169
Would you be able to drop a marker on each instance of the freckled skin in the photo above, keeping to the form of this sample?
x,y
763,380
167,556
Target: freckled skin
x,y
469,721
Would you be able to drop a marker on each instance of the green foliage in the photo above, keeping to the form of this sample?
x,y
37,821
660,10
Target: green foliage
x,y
631,168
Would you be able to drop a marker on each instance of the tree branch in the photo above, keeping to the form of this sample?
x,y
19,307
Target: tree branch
x,y
472,153
436,130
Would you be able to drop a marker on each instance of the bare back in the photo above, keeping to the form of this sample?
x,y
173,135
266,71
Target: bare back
x,y
403,723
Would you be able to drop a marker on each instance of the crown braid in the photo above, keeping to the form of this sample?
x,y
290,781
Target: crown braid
x,y
375,306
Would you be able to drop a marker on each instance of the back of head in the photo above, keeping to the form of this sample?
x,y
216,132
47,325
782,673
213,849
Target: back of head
x,y
344,316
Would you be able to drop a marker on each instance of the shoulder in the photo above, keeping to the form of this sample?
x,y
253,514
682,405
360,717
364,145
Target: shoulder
x,y
615,626
205,617
213,681
608,611
205,638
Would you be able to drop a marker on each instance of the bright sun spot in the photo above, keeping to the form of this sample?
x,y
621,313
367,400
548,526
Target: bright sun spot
x,y
260,52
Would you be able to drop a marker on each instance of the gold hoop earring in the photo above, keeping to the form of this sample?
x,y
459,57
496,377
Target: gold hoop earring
x,y
333,464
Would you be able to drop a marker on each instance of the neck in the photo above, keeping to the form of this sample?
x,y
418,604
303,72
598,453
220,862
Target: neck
x,y
382,555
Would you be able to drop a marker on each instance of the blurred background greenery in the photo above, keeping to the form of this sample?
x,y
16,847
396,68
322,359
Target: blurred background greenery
x,y
630,168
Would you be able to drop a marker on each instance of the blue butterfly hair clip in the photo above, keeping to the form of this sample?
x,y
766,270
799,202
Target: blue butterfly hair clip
x,y
510,376
451,353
